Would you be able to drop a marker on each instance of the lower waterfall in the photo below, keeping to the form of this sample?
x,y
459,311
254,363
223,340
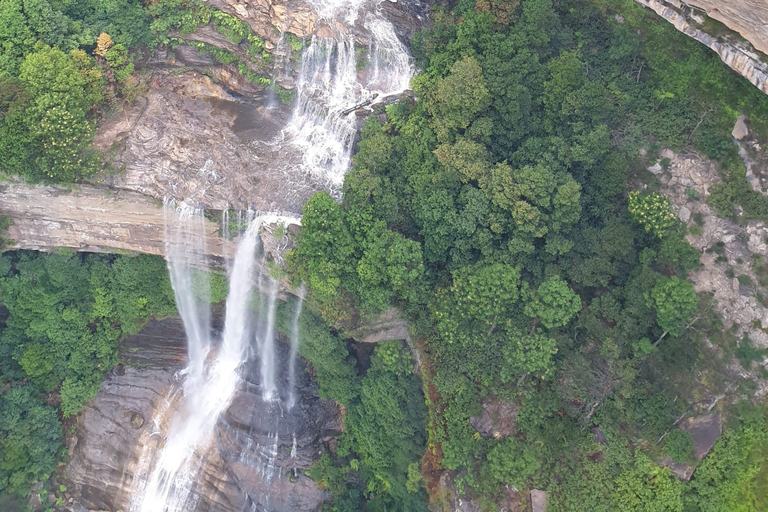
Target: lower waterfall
x,y
210,384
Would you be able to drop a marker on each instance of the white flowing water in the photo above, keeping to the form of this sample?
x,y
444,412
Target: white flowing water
x,y
295,339
185,243
176,469
335,77
266,343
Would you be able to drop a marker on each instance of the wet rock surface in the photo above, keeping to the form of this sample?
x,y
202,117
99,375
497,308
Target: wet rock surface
x,y
191,139
254,462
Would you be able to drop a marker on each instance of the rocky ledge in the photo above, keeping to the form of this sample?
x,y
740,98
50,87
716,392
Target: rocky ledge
x,y
732,253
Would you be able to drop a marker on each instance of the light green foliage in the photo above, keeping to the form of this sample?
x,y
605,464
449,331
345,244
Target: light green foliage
x,y
732,478
553,303
324,253
675,303
458,98
652,211
527,353
118,59
51,88
390,263
47,130
511,462
678,444
621,482
481,296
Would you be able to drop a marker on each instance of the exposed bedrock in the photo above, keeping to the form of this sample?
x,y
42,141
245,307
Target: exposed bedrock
x,y
252,462
748,17
89,219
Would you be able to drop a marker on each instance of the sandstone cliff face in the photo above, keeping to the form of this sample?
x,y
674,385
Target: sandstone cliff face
x,y
738,55
747,17
89,219
191,139
249,466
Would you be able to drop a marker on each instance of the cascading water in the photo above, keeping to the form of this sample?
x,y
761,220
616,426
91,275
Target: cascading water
x,y
185,244
266,344
329,86
337,75
172,479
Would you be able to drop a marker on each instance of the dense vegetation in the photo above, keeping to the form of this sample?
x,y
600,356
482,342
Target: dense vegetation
x,y
63,315
376,462
494,211
65,63
55,78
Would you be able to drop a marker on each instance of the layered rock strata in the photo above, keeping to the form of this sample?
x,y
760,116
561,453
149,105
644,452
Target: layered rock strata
x,y
747,17
90,219
253,462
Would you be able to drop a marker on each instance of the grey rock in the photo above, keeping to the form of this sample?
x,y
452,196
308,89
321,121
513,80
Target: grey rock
x,y
252,465
705,430
538,500
498,419
388,325
740,129
684,214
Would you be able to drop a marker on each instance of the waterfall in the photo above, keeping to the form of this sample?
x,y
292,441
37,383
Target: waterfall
x,y
337,75
324,125
185,243
208,388
266,343
294,352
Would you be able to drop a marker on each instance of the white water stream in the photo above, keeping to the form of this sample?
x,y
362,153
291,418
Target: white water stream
x,y
335,76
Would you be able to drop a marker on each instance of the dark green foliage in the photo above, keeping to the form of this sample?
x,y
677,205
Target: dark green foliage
x,y
64,316
31,438
387,428
679,445
542,281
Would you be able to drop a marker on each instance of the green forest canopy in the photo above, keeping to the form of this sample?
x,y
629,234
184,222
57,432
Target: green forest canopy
x,y
494,211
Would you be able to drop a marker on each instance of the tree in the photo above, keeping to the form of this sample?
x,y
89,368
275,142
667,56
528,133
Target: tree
x,y
675,302
458,99
553,303
325,252
482,295
652,211
31,439
511,462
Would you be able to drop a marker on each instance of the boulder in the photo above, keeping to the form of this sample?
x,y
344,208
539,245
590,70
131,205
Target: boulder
x,y
740,129
498,419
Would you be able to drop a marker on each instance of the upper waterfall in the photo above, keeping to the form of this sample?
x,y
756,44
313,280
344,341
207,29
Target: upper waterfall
x,y
337,74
